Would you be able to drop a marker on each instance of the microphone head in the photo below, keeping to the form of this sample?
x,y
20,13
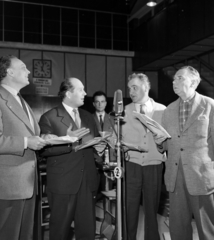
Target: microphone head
x,y
118,102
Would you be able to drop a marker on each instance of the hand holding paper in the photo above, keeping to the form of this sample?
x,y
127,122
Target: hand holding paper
x,y
158,131
99,142
55,140
159,139
100,146
130,146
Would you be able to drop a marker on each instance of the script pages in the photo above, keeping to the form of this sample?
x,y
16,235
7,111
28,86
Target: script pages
x,y
152,125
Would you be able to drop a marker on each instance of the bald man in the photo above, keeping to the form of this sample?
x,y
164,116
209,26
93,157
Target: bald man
x,y
71,176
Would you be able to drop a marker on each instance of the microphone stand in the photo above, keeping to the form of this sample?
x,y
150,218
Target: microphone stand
x,y
118,172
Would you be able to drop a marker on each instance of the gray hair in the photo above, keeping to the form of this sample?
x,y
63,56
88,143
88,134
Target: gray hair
x,y
142,77
193,73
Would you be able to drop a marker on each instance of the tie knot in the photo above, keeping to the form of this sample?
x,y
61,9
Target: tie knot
x,y
75,111
142,108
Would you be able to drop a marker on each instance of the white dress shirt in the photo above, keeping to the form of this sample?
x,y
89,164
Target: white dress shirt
x,y
71,113
147,107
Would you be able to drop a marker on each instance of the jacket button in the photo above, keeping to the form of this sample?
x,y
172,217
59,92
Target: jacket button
x,y
182,149
81,170
178,136
176,164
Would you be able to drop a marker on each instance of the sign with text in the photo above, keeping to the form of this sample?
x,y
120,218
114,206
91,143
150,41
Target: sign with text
x,y
42,90
42,81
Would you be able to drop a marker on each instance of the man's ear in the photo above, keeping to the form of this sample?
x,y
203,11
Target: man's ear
x,y
67,94
93,104
193,84
10,71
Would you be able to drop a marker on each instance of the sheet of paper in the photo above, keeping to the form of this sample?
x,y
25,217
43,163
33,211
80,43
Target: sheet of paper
x,y
61,140
152,125
93,142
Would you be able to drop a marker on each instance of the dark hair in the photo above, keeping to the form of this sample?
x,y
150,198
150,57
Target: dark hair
x,y
5,62
64,87
97,94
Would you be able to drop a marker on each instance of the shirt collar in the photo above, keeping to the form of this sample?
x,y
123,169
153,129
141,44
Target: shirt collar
x,y
102,114
148,104
68,108
10,89
190,99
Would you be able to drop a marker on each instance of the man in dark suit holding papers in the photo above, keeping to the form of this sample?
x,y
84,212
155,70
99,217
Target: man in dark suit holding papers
x,y
71,176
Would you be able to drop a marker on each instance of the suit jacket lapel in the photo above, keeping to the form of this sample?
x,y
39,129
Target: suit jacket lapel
x,y
175,116
16,108
84,119
197,110
66,119
106,122
35,123
97,122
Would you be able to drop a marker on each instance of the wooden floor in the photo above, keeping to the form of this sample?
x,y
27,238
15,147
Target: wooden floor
x,y
163,228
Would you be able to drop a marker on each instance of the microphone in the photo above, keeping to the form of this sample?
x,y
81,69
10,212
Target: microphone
x,y
118,102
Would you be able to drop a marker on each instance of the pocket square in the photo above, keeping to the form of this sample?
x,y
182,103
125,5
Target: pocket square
x,y
202,117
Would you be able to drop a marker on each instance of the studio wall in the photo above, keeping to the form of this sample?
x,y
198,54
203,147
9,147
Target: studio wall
x,y
97,72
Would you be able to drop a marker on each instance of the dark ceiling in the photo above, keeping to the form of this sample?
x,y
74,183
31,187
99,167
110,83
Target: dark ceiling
x,y
117,6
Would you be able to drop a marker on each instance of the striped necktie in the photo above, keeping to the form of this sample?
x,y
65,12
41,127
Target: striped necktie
x,y
101,122
76,118
23,104
141,109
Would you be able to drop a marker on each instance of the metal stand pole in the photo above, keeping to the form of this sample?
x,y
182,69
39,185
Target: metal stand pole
x,y
118,172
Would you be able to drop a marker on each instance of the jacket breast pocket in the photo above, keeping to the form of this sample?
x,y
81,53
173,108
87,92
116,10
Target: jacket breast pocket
x,y
202,126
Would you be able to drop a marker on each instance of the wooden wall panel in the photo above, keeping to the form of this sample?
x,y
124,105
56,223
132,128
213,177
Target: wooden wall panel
x,y
27,57
115,75
75,66
57,59
11,51
95,73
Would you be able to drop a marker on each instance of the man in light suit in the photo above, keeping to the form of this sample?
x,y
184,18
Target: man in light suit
x,y
71,176
189,175
19,138
143,169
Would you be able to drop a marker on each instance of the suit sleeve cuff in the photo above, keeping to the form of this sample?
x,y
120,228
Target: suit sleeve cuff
x,y
25,142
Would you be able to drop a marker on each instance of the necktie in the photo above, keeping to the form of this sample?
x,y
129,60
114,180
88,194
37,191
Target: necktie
x,y
23,104
76,118
101,122
141,109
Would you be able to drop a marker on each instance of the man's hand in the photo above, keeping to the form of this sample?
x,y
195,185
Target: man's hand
x,y
159,139
100,147
36,143
48,136
79,133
